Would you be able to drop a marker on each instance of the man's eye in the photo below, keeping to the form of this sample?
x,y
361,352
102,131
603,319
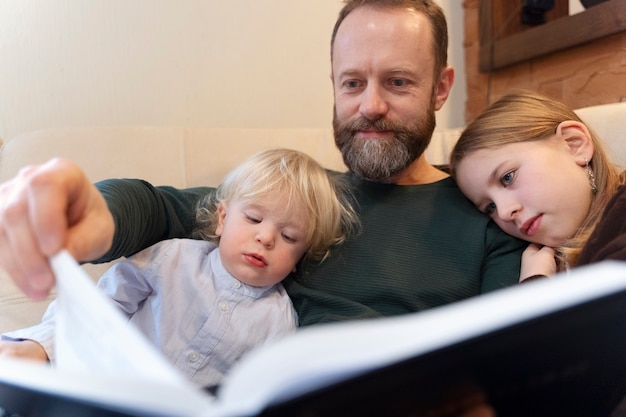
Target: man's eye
x,y
490,209
507,179
398,82
352,84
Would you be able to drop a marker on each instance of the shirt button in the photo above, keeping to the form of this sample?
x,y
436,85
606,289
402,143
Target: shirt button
x,y
223,306
193,357
237,284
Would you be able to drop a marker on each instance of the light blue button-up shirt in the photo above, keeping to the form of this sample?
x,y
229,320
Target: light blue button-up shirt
x,y
179,294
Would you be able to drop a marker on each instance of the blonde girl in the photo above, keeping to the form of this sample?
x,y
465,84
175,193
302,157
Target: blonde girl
x,y
532,164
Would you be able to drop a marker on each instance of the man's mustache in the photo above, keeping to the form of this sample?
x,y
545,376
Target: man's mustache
x,y
380,124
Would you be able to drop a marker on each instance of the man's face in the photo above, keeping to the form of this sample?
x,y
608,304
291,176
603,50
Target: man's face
x,y
383,78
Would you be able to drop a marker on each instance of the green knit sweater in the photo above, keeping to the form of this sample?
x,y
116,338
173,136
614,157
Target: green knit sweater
x,y
419,247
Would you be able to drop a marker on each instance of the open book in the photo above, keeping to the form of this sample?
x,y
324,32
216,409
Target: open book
x,y
555,347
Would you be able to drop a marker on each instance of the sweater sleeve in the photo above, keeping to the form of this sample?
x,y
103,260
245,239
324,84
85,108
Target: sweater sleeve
x,y
502,263
145,214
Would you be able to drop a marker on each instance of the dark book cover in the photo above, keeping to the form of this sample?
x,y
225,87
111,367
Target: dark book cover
x,y
550,348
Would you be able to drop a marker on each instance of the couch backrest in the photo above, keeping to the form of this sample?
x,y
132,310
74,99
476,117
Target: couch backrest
x,y
177,156
609,122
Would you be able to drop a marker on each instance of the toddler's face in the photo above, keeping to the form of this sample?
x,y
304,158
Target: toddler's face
x,y
260,244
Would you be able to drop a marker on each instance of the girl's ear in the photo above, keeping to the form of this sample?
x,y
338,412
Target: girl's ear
x,y
578,139
221,215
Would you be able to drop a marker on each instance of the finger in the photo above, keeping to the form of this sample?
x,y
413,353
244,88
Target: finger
x,y
20,255
93,235
91,230
27,267
11,268
48,202
70,212
548,250
532,248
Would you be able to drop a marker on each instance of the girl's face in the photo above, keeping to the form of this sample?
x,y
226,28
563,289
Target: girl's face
x,y
260,244
537,191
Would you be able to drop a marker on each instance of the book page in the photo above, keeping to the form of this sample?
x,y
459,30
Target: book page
x,y
94,338
92,335
95,394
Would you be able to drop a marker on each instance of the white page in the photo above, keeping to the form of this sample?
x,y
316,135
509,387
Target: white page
x,y
94,338
141,397
92,335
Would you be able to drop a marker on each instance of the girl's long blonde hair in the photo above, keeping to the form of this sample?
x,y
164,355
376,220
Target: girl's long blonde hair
x,y
528,116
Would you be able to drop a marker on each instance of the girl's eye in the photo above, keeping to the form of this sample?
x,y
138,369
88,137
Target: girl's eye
x,y
507,179
490,208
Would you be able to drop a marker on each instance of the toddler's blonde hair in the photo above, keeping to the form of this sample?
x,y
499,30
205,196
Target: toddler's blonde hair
x,y
307,186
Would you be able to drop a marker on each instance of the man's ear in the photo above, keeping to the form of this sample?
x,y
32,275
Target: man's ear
x,y
578,139
443,87
221,215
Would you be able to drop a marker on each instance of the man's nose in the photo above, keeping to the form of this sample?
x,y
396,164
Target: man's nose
x,y
373,103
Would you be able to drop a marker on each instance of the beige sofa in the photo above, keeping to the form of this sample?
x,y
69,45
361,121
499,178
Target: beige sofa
x,y
185,157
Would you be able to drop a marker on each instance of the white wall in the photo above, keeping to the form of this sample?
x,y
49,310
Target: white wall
x,y
248,63
453,113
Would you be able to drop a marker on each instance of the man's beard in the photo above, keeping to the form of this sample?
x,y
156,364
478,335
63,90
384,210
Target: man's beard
x,y
380,159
